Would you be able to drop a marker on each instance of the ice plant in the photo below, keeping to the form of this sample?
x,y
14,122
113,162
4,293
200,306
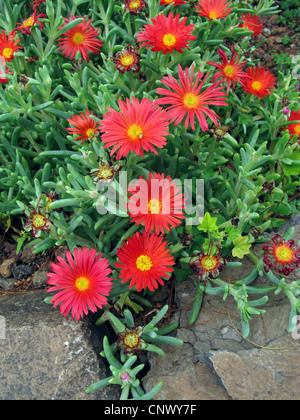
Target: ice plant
x,y
138,127
84,125
127,60
36,4
229,71
83,283
130,340
144,260
135,7
157,203
27,24
294,128
176,2
259,82
280,255
3,70
251,23
83,38
166,34
36,222
105,172
8,46
187,100
206,265
213,9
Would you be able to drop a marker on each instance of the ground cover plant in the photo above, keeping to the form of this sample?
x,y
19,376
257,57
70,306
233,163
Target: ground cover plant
x,y
145,137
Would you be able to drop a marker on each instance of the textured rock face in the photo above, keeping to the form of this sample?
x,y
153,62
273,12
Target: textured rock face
x,y
45,356
216,363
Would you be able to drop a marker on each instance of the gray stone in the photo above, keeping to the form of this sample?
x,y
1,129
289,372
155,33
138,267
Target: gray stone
x,y
7,284
22,271
39,278
45,356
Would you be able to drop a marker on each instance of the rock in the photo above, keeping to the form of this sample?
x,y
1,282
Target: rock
x,y
39,278
45,356
7,284
22,271
266,32
215,361
6,267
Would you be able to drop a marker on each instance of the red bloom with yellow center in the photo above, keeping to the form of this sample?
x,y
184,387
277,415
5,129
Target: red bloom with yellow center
x,y
135,7
3,70
280,255
187,100
252,23
206,265
213,9
85,126
230,71
127,60
83,38
37,222
294,128
157,203
139,126
176,2
82,285
259,82
166,34
27,24
144,261
130,340
8,46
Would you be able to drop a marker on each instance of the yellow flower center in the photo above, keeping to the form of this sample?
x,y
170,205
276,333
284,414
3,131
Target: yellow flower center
x,y
212,15
28,22
144,263
169,40
154,206
190,100
105,172
82,283
90,132
256,85
209,263
229,71
283,253
168,1
134,4
127,59
38,220
131,340
297,129
78,38
7,52
135,132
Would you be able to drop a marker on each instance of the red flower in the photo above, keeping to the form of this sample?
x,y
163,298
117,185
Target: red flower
x,y
229,71
176,2
186,100
251,23
280,255
135,7
294,128
27,24
83,283
8,46
156,203
85,126
206,265
259,82
37,222
139,126
83,37
213,9
127,60
144,260
166,34
3,70
36,4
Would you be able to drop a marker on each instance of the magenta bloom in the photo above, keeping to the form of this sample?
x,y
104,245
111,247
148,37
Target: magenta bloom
x,y
83,284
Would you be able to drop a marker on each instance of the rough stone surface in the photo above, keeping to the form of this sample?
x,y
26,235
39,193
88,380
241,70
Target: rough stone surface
x,y
215,362
47,357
